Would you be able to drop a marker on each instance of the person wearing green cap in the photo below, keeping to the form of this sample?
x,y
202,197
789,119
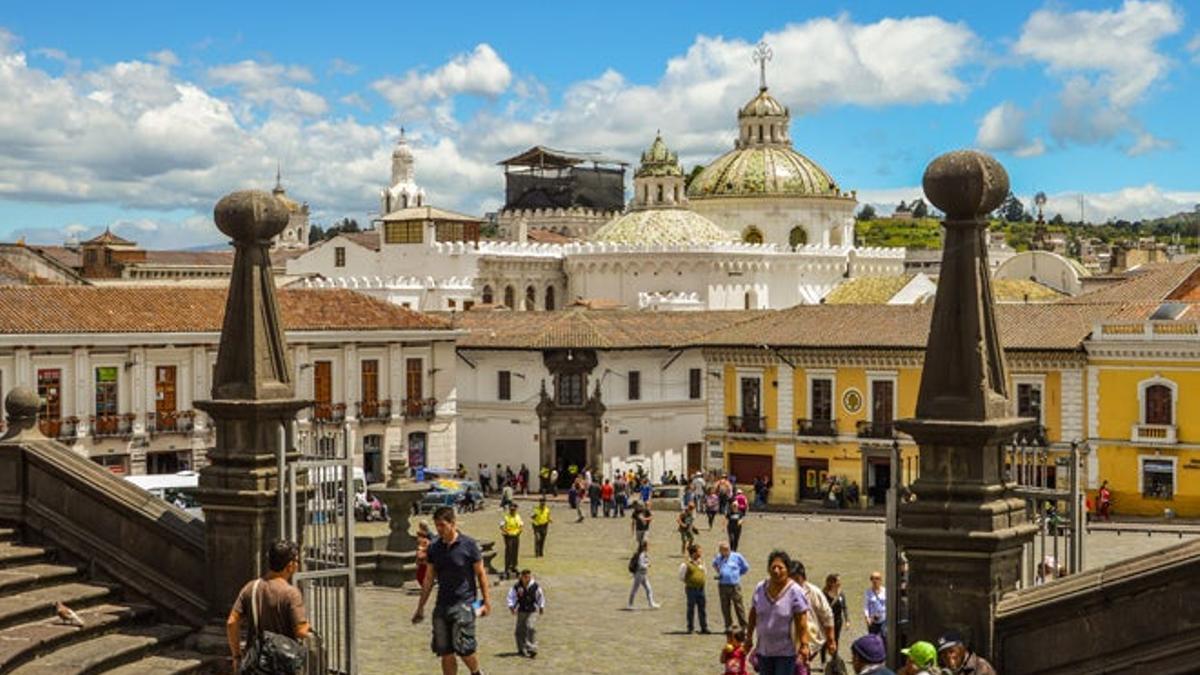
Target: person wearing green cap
x,y
922,659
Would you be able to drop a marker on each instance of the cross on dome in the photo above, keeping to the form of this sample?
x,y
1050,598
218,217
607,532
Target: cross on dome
x,y
762,54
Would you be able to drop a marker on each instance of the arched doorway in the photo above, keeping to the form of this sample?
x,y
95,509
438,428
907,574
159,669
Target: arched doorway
x,y
530,299
510,297
416,449
488,295
549,298
798,236
752,235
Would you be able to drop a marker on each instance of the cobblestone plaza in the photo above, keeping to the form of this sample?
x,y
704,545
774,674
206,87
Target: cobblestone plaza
x,y
586,628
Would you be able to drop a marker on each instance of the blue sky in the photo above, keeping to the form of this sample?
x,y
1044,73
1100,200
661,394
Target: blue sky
x,y
141,115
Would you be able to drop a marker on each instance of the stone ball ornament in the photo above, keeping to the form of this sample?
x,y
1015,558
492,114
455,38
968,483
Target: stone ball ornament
x,y
965,184
22,402
250,216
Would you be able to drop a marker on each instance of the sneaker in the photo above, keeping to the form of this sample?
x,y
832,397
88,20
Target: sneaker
x,y
629,608
532,655
655,605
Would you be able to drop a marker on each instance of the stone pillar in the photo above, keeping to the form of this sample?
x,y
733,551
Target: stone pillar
x,y
252,398
964,532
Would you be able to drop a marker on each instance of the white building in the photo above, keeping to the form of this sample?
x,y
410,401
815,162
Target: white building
x,y
582,387
119,370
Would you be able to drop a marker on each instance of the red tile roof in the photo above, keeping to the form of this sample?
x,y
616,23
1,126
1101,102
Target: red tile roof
x,y
132,309
580,328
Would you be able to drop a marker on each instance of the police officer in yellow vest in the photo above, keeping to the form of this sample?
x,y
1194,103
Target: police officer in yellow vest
x,y
511,528
541,524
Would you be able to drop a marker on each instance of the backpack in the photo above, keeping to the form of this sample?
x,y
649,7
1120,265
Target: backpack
x,y
633,563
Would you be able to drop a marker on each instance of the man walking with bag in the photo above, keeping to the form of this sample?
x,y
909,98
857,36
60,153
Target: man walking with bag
x,y
277,620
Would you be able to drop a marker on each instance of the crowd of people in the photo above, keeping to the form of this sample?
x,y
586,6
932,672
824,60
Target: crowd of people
x,y
786,625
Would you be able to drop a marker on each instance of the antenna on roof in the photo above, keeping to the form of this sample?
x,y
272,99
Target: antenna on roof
x,y
762,54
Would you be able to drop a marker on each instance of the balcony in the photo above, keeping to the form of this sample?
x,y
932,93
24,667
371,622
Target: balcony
x,y
112,426
825,428
1031,436
329,413
881,430
747,425
374,411
60,428
420,408
178,422
1159,434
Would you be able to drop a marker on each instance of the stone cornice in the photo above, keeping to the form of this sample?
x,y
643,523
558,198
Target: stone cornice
x,y
1144,351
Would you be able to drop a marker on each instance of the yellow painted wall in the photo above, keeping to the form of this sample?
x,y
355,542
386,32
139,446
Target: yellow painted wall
x,y
730,380
770,396
851,378
908,385
1119,407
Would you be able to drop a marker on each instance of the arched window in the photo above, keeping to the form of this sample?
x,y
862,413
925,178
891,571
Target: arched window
x,y
798,236
746,301
675,192
510,297
488,295
752,235
530,299
549,298
1159,408
660,194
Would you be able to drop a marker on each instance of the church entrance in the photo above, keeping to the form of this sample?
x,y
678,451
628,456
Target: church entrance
x,y
569,452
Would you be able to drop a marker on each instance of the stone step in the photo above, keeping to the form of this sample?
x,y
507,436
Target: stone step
x,y
18,578
170,663
8,534
38,602
26,641
13,554
104,652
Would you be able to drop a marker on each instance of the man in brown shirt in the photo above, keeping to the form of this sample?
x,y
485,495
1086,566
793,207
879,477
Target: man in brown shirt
x,y
280,604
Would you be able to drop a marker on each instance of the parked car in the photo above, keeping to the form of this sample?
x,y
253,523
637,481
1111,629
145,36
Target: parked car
x,y
460,494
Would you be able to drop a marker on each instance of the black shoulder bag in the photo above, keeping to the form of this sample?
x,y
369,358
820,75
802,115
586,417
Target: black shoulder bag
x,y
270,653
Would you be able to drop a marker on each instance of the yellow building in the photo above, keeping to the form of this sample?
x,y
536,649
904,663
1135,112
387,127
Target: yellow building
x,y
812,392
1143,388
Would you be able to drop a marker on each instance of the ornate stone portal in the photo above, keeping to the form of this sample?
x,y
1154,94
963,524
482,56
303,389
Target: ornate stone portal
x,y
253,398
964,533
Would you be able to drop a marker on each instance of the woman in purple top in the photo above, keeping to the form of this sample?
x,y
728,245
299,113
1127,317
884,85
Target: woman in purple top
x,y
779,612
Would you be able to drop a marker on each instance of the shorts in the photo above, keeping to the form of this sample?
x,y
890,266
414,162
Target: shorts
x,y
454,630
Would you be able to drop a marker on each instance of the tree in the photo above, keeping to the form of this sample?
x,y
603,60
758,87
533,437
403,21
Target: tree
x,y
692,175
919,209
315,234
1057,220
1011,209
867,212
902,208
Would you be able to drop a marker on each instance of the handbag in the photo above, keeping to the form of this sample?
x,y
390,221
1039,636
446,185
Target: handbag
x,y
270,653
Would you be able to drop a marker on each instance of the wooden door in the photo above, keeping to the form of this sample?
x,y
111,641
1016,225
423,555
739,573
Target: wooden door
x,y
414,383
323,388
369,388
164,390
882,413
751,403
694,458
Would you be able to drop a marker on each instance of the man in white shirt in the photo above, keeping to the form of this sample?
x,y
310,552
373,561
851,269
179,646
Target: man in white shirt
x,y
820,615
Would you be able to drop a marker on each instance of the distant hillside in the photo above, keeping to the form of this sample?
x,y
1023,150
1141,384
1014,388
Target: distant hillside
x,y
917,233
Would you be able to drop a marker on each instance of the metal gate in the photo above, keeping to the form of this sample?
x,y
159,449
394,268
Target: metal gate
x,y
1048,480
319,494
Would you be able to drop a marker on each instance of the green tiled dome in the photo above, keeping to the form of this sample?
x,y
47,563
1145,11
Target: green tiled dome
x,y
762,170
662,226
658,160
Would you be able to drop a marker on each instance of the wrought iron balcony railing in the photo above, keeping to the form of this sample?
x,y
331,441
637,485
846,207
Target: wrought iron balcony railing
x,y
112,426
329,413
805,427
420,408
747,424
177,422
868,429
374,411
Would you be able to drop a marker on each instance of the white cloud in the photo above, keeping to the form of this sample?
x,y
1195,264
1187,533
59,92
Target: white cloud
x,y
1130,203
339,66
1002,129
271,84
481,72
165,57
1108,61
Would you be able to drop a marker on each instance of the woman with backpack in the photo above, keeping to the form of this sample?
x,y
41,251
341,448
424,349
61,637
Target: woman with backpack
x,y
639,567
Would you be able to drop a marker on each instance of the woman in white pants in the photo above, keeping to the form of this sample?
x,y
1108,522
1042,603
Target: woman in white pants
x,y
640,567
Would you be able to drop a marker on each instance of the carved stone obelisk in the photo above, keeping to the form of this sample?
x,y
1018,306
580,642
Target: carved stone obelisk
x,y
252,397
964,532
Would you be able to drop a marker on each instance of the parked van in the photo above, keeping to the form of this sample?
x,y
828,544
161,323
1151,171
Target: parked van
x,y
176,488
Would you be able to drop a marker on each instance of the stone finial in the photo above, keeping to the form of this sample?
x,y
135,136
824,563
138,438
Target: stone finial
x,y
965,184
22,405
250,216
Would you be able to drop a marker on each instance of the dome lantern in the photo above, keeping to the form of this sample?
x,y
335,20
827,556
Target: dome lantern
x,y
658,181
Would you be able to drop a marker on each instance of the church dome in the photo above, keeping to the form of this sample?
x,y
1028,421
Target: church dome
x,y
772,170
662,226
658,160
763,105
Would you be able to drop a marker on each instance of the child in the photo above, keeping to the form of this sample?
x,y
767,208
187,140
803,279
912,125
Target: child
x,y
526,601
424,538
733,655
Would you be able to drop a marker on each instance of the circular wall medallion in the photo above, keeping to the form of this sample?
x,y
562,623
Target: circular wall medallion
x,y
852,400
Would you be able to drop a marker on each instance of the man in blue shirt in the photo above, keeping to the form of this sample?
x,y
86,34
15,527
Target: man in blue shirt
x,y
458,567
730,567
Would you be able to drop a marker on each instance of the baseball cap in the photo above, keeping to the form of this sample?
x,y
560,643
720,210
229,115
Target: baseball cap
x,y
921,654
950,638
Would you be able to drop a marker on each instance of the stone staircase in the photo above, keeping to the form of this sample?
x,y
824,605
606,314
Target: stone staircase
x,y
121,634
